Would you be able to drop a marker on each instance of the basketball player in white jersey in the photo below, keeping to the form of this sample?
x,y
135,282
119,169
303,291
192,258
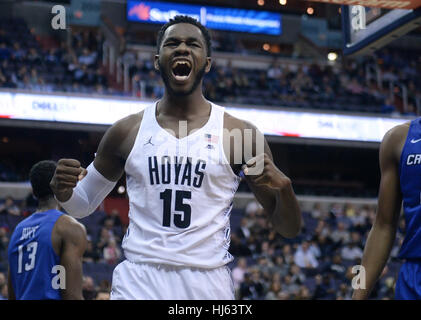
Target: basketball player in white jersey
x,y
180,182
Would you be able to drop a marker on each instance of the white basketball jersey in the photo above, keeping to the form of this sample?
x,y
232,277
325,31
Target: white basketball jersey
x,y
181,194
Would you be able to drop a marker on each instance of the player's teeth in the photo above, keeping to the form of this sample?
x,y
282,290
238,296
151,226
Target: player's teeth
x,y
181,77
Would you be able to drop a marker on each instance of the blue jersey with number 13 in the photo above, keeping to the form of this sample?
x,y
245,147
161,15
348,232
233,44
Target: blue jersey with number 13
x,y
32,257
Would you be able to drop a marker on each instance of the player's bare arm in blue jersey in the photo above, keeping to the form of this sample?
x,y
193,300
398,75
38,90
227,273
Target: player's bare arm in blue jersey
x,y
382,235
272,188
69,243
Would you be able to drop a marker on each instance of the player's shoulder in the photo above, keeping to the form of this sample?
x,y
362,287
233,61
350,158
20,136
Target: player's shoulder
x,y
393,142
123,126
397,134
68,226
120,137
231,122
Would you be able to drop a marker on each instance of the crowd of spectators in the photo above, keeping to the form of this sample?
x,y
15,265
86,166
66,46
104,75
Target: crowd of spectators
x,y
55,65
315,265
359,85
345,86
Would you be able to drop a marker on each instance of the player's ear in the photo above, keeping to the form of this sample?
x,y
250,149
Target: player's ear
x,y
156,62
208,64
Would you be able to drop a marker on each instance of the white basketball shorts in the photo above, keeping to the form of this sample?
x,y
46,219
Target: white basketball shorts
x,y
133,281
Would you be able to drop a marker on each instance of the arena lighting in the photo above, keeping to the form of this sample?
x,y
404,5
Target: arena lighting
x,y
310,10
121,189
332,56
282,2
261,2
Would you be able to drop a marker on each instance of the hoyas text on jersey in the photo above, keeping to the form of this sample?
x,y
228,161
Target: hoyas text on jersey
x,y
178,171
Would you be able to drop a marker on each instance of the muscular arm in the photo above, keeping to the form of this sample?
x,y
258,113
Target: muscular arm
x,y
382,235
273,189
81,198
74,242
110,158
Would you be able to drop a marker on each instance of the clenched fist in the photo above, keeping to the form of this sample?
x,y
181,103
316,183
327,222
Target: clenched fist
x,y
261,171
66,176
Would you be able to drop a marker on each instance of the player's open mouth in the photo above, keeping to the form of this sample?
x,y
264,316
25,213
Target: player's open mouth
x,y
181,70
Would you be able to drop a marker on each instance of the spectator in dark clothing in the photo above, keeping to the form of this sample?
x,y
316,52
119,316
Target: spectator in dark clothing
x,y
324,288
238,248
114,216
91,253
9,207
88,288
337,268
252,287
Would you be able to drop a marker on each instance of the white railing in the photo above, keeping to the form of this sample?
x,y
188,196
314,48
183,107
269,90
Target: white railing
x,y
126,77
119,69
112,60
105,53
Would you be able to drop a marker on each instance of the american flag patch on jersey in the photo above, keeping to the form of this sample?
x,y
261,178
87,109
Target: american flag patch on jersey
x,y
211,138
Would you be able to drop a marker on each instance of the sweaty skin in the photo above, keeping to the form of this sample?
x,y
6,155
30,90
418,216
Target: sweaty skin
x,y
382,235
183,100
69,243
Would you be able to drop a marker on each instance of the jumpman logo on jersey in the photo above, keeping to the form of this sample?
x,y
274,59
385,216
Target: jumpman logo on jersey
x,y
149,142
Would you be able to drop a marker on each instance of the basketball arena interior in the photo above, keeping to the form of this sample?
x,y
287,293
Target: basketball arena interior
x,y
323,93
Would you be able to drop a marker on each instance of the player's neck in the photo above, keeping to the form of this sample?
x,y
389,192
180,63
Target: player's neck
x,y
184,106
47,204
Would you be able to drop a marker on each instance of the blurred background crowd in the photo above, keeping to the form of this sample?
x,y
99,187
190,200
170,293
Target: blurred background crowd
x,y
318,264
75,66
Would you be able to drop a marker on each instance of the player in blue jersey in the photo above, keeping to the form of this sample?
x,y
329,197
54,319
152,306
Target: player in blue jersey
x,y
400,165
46,249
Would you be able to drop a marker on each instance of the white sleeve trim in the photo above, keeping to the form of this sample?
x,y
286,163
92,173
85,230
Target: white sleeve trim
x,y
88,194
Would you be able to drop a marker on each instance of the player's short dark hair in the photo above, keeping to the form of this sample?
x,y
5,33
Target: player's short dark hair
x,y
40,176
185,19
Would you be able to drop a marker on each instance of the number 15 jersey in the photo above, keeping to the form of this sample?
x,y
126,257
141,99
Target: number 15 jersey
x,y
180,195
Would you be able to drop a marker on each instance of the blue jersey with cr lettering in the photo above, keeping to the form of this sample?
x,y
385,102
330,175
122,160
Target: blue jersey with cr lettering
x,y
410,181
32,257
